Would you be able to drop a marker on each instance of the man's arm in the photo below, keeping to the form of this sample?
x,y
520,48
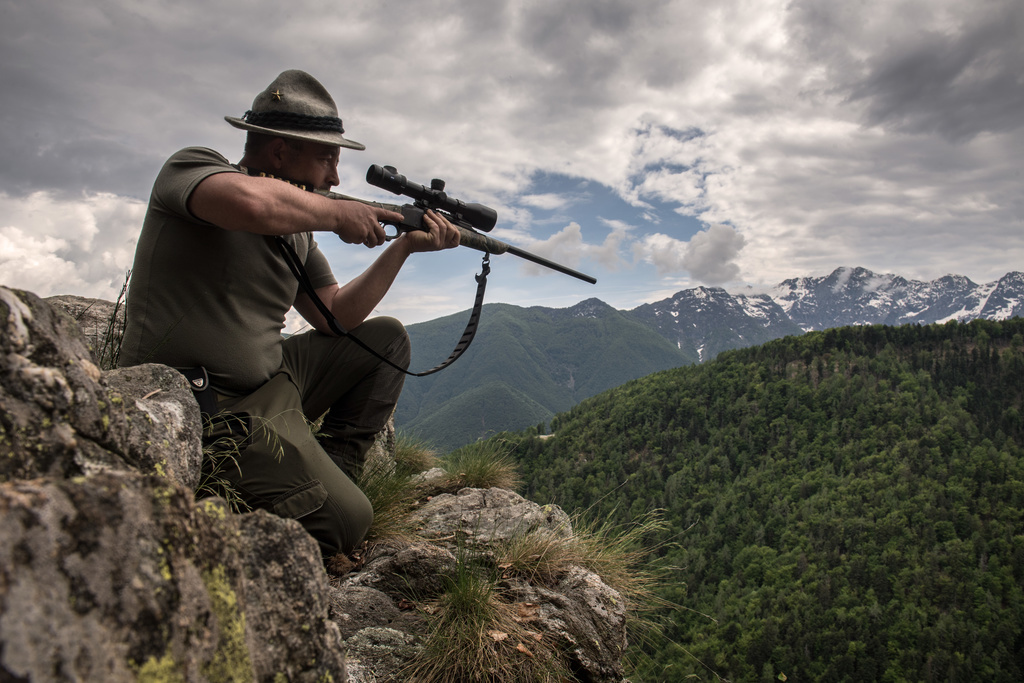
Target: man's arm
x,y
267,206
353,302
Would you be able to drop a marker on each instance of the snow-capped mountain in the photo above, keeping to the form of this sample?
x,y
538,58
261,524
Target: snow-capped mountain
x,y
708,320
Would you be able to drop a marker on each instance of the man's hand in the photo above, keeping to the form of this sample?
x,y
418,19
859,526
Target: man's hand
x,y
441,234
353,302
360,223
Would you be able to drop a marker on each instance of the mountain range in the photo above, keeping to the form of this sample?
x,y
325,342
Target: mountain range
x,y
527,364
708,320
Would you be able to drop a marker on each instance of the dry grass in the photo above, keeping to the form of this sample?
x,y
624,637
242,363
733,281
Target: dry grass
x,y
618,553
225,436
413,455
476,636
480,466
392,495
220,458
110,350
392,490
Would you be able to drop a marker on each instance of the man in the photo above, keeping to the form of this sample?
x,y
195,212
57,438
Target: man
x,y
210,290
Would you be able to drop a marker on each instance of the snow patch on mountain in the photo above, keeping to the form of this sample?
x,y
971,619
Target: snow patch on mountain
x,y
708,320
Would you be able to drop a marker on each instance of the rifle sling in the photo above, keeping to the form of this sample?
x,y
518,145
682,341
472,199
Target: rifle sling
x,y
299,271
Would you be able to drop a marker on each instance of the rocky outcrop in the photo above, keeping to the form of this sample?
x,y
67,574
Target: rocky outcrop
x,y
112,570
575,613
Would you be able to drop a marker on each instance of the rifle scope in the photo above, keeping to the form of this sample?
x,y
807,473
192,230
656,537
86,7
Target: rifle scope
x,y
388,178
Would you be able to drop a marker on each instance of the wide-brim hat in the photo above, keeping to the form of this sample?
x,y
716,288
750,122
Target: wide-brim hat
x,y
298,107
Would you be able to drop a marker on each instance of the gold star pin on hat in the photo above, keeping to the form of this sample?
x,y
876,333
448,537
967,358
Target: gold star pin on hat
x,y
276,95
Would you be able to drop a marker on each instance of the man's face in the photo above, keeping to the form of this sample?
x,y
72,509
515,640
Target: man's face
x,y
312,163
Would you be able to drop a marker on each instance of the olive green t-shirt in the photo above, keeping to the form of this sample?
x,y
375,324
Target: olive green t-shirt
x,y
201,295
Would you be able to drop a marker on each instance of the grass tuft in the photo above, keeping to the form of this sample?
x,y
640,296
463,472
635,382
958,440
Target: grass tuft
x,y
481,465
414,455
391,488
618,553
109,352
392,494
476,636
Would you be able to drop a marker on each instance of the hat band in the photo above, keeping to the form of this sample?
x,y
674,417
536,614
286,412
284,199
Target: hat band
x,y
290,121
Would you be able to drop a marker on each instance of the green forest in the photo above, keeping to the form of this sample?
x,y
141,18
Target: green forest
x,y
844,505
525,365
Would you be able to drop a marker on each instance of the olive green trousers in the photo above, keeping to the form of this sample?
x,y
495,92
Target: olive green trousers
x,y
286,469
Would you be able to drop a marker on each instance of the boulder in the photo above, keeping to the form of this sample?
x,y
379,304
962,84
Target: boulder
x,y
482,516
112,571
56,419
60,416
101,323
118,576
164,430
577,613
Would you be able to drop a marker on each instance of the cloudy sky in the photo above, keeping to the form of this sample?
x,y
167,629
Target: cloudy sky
x,y
655,144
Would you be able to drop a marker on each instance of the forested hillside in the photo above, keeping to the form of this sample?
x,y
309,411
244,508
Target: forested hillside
x,y
525,365
845,505
529,363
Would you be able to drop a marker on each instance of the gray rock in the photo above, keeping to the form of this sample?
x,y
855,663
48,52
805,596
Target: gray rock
x,y
111,571
433,476
379,654
357,607
164,429
116,576
62,417
287,602
586,617
55,417
410,571
481,516
101,323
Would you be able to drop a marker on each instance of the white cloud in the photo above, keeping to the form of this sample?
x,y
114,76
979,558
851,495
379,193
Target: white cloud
x,y
665,253
548,201
53,246
568,248
709,256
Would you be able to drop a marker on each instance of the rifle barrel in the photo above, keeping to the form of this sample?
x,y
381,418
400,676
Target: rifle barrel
x,y
539,260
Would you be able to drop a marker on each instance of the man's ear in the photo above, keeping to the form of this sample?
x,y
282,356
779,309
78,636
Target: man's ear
x,y
277,150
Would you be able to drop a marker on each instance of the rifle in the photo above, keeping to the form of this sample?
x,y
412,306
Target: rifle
x,y
470,219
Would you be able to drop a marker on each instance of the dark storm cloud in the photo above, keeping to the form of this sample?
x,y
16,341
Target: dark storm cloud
x,y
593,53
959,83
81,164
952,69
97,94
